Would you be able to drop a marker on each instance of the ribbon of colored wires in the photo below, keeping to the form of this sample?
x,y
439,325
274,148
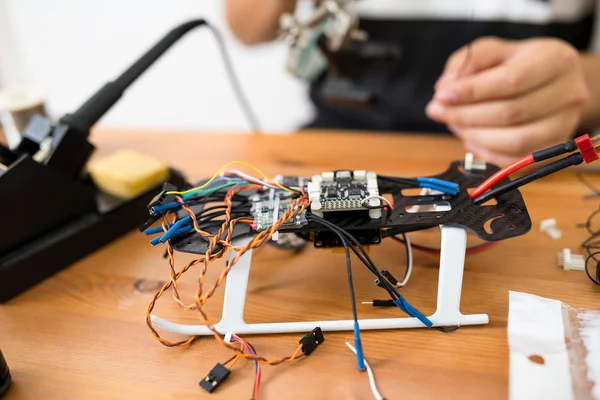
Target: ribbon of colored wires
x,y
258,370
223,168
372,383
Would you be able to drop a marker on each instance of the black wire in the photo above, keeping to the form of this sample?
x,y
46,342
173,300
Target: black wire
x,y
366,260
235,83
583,179
592,246
592,256
404,181
360,252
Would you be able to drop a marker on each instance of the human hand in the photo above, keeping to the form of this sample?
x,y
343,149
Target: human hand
x,y
507,99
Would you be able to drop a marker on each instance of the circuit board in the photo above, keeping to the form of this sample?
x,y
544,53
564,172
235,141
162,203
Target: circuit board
x,y
269,207
268,211
345,191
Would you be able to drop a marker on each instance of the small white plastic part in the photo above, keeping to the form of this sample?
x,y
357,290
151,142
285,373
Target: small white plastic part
x,y
227,337
571,262
360,175
343,174
472,164
375,213
468,161
548,226
328,176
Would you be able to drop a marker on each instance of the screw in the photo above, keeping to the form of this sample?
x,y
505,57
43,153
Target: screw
x,y
319,243
376,240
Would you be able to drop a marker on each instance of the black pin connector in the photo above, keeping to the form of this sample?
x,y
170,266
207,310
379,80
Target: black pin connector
x,y
312,340
163,197
381,303
215,377
389,277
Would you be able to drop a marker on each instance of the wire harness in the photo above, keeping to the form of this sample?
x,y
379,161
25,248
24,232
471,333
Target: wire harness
x,y
583,149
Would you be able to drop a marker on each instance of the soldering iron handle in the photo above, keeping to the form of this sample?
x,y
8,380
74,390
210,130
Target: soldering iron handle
x,y
97,105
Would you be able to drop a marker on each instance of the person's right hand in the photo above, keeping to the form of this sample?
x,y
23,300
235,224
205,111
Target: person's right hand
x,y
505,99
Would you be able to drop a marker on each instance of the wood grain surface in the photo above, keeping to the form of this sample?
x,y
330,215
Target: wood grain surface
x,y
81,334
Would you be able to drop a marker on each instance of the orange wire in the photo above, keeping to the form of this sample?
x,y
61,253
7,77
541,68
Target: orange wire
x,y
200,298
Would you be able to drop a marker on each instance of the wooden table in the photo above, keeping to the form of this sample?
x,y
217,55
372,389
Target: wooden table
x,y
81,334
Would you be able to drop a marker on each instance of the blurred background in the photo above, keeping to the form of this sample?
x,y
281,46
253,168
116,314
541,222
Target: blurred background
x,y
67,49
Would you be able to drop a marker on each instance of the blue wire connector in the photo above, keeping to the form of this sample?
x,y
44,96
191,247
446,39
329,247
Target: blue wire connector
x,y
153,231
439,185
173,231
413,312
358,345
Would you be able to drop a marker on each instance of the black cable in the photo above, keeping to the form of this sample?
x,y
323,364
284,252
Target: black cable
x,y
592,256
573,159
235,83
592,246
404,181
589,185
101,101
360,252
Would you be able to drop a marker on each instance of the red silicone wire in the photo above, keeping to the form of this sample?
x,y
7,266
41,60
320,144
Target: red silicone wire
x,y
500,175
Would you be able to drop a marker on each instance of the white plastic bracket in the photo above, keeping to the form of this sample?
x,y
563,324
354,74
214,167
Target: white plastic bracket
x,y
452,262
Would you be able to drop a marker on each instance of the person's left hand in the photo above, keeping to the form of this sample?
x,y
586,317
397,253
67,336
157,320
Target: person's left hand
x,y
510,98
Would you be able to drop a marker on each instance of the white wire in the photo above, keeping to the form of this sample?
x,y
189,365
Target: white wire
x,y
409,262
372,383
248,178
386,201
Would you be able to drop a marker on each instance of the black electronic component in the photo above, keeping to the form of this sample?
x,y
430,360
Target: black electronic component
x,y
311,341
65,217
389,277
5,378
327,239
215,377
163,197
381,303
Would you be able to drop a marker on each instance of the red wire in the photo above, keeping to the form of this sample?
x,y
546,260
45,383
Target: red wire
x,y
500,175
236,338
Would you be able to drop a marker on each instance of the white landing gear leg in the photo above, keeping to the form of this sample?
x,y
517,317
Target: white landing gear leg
x,y
452,262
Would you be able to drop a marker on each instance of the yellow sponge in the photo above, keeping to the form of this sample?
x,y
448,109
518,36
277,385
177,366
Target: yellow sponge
x,y
127,174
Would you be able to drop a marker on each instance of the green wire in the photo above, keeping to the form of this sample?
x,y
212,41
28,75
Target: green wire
x,y
214,189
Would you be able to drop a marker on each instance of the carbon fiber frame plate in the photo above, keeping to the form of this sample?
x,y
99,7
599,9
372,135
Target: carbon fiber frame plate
x,y
506,219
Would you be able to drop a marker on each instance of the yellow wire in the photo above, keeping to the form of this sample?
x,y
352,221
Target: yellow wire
x,y
223,169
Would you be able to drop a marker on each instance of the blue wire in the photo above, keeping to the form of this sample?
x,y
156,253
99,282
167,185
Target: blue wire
x,y
174,228
406,307
359,349
153,231
438,184
179,232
